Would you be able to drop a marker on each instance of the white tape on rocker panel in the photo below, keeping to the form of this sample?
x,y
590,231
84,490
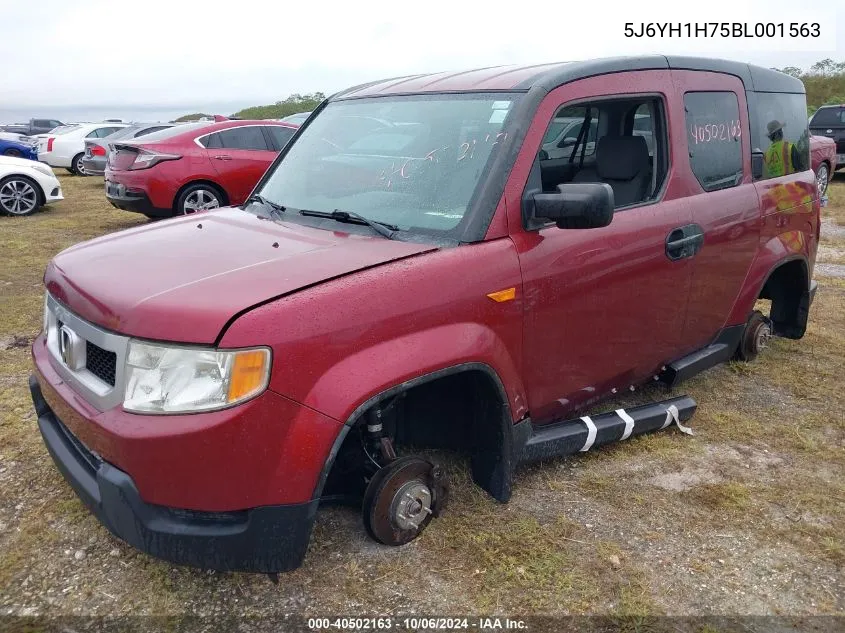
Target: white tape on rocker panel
x,y
591,433
629,423
672,416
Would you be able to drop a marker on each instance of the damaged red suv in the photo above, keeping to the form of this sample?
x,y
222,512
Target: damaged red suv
x,y
192,167
428,264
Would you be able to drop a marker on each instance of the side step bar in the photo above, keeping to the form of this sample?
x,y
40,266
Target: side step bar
x,y
719,351
581,434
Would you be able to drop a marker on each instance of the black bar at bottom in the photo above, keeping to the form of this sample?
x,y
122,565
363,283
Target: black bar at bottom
x,y
569,436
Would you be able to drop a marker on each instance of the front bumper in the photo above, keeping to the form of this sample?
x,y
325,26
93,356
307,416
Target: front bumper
x,y
263,539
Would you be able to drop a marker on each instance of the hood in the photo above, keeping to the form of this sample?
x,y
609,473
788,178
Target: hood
x,y
184,279
19,162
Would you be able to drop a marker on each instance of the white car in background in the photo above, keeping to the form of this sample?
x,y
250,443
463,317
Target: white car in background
x,y
65,147
26,185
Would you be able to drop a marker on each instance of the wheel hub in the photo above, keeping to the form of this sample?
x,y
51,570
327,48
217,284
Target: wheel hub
x,y
762,336
411,505
402,498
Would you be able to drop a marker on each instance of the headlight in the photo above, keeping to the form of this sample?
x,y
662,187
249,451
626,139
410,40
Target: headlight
x,y
169,379
44,169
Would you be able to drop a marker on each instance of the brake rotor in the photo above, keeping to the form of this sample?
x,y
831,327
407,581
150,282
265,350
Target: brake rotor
x,y
402,498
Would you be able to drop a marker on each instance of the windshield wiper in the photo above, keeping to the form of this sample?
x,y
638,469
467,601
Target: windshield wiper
x,y
382,228
276,210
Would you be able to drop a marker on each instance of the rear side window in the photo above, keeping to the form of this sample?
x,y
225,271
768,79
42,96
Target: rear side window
x,y
781,133
280,135
248,137
150,130
714,135
827,117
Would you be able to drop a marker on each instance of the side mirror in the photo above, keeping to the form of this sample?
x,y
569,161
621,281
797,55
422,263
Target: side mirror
x,y
587,205
569,140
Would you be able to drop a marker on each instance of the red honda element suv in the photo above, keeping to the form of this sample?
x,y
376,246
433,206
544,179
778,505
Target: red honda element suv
x,y
416,269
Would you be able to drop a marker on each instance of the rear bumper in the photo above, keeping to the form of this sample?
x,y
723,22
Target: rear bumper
x,y
94,166
263,539
137,202
54,160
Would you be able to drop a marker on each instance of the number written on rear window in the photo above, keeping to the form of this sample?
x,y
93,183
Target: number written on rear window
x,y
713,137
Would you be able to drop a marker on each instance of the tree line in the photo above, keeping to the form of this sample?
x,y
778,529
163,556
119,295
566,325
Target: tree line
x,y
824,82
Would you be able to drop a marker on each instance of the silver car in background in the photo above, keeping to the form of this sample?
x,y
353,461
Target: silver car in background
x,y
97,149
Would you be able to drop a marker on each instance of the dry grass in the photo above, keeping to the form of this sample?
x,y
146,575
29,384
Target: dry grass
x,y
746,517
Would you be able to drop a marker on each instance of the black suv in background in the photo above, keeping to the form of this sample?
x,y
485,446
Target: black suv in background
x,y
829,121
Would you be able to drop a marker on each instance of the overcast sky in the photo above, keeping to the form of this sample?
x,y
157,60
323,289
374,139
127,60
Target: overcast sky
x,y
204,54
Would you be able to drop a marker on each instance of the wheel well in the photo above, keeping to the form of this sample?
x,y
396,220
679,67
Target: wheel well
x,y
464,411
209,183
787,289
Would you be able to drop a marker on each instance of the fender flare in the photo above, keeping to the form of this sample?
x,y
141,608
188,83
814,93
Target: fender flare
x,y
748,294
506,428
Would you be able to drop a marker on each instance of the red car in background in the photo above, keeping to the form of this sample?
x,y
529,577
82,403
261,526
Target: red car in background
x,y
192,167
823,160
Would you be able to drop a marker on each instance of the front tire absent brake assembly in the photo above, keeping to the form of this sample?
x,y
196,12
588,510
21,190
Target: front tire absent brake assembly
x,y
402,498
755,337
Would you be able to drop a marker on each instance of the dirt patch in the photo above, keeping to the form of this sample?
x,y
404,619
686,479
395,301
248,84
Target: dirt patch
x,y
829,270
684,480
831,230
20,342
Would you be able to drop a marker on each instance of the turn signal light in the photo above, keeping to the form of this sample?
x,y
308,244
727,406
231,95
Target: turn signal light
x,y
249,374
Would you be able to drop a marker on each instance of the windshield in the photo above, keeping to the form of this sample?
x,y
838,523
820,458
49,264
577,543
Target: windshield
x,y
413,162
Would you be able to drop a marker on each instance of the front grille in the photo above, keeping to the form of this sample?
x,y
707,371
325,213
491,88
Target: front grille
x,y
100,362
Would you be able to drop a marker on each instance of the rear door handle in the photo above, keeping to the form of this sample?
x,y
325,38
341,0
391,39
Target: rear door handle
x,y
684,241
223,157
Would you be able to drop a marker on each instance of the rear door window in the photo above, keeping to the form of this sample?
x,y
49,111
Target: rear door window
x,y
781,133
248,137
714,136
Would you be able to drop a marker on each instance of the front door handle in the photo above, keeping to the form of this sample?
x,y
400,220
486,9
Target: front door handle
x,y
684,241
223,157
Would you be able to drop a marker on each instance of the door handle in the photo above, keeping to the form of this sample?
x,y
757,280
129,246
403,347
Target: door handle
x,y
223,157
684,241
